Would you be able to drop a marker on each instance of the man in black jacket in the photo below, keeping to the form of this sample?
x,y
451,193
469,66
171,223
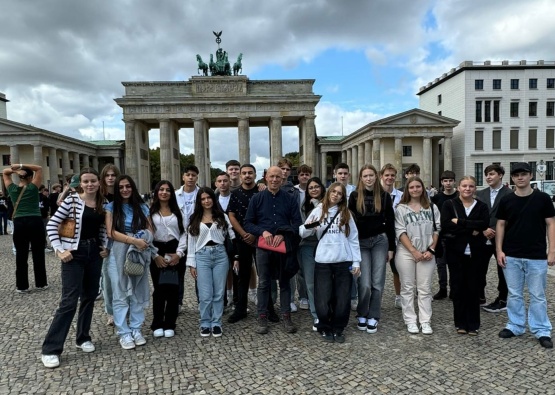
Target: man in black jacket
x,y
491,196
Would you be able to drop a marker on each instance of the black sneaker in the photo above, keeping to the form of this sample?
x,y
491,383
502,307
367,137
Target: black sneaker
x,y
217,331
288,325
262,324
328,337
205,332
506,334
546,342
496,307
236,316
441,294
340,337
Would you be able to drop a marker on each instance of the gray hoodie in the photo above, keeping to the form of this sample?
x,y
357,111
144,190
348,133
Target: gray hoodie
x,y
419,226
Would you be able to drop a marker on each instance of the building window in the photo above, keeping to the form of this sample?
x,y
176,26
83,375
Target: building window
x,y
496,104
514,139
550,109
533,168
514,109
533,83
549,170
496,139
407,150
479,140
5,160
487,111
478,111
70,164
532,138
496,84
479,173
514,84
550,83
60,164
48,161
533,108
440,149
479,84
550,138
438,99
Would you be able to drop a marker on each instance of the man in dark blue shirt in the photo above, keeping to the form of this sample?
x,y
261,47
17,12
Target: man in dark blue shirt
x,y
269,211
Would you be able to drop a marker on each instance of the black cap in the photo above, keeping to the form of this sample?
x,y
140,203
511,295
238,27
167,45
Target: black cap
x,y
520,167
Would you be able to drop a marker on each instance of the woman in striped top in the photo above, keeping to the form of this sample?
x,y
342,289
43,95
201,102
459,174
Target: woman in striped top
x,y
168,266
208,259
81,265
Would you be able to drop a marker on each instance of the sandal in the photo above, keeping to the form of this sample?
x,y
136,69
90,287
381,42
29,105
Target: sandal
x,y
461,331
473,333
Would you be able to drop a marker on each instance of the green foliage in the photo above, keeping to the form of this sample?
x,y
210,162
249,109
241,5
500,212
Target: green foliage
x,y
294,157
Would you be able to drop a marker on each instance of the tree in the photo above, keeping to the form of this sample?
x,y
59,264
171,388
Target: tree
x,y
294,157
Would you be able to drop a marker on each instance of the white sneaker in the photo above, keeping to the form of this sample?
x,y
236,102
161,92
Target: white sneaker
x,y
87,346
315,325
169,333
413,328
398,302
138,338
304,304
126,342
158,333
426,328
293,307
50,361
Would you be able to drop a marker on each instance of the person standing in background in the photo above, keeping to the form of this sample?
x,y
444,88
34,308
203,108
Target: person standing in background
x,y
3,214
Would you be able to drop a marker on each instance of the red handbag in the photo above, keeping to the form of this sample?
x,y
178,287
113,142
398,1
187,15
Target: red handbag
x,y
280,248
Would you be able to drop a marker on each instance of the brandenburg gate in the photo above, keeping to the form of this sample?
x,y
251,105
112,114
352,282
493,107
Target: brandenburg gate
x,y
205,102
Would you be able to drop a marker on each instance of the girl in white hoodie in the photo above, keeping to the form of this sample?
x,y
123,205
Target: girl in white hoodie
x,y
337,256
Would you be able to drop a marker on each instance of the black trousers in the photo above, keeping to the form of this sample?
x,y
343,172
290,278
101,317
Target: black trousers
x,y
332,295
29,230
501,283
247,254
165,298
465,288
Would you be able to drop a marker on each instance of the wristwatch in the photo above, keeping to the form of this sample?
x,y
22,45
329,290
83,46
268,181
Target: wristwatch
x,y
431,250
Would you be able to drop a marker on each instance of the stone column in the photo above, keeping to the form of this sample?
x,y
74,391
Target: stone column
x,y
276,148
175,150
66,170
95,163
131,152
309,141
86,160
323,166
165,150
349,161
398,160
244,135
200,151
14,159
361,154
38,158
53,165
208,162
447,154
353,167
367,152
427,161
376,153
344,156
76,164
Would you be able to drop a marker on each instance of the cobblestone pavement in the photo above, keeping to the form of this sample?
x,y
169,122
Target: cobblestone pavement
x,y
242,362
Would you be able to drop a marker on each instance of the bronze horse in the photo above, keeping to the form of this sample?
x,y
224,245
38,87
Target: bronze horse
x,y
202,66
237,66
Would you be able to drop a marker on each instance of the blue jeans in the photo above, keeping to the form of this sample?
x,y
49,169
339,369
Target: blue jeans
x,y
373,251
266,265
106,285
122,304
533,272
307,262
212,267
80,278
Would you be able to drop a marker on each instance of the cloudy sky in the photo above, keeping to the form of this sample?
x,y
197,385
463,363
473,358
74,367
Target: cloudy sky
x,y
62,61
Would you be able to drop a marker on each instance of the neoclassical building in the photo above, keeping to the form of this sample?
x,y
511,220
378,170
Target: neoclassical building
x,y
203,103
414,136
57,154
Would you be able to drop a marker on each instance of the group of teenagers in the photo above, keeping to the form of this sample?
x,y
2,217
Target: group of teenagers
x,y
334,243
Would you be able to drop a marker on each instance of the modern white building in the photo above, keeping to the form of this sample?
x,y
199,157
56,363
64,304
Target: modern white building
x,y
507,114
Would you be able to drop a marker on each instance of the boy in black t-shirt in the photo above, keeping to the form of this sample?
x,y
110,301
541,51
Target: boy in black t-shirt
x,y
523,218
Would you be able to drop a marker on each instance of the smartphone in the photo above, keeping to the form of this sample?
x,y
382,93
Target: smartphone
x,y
312,225
167,257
